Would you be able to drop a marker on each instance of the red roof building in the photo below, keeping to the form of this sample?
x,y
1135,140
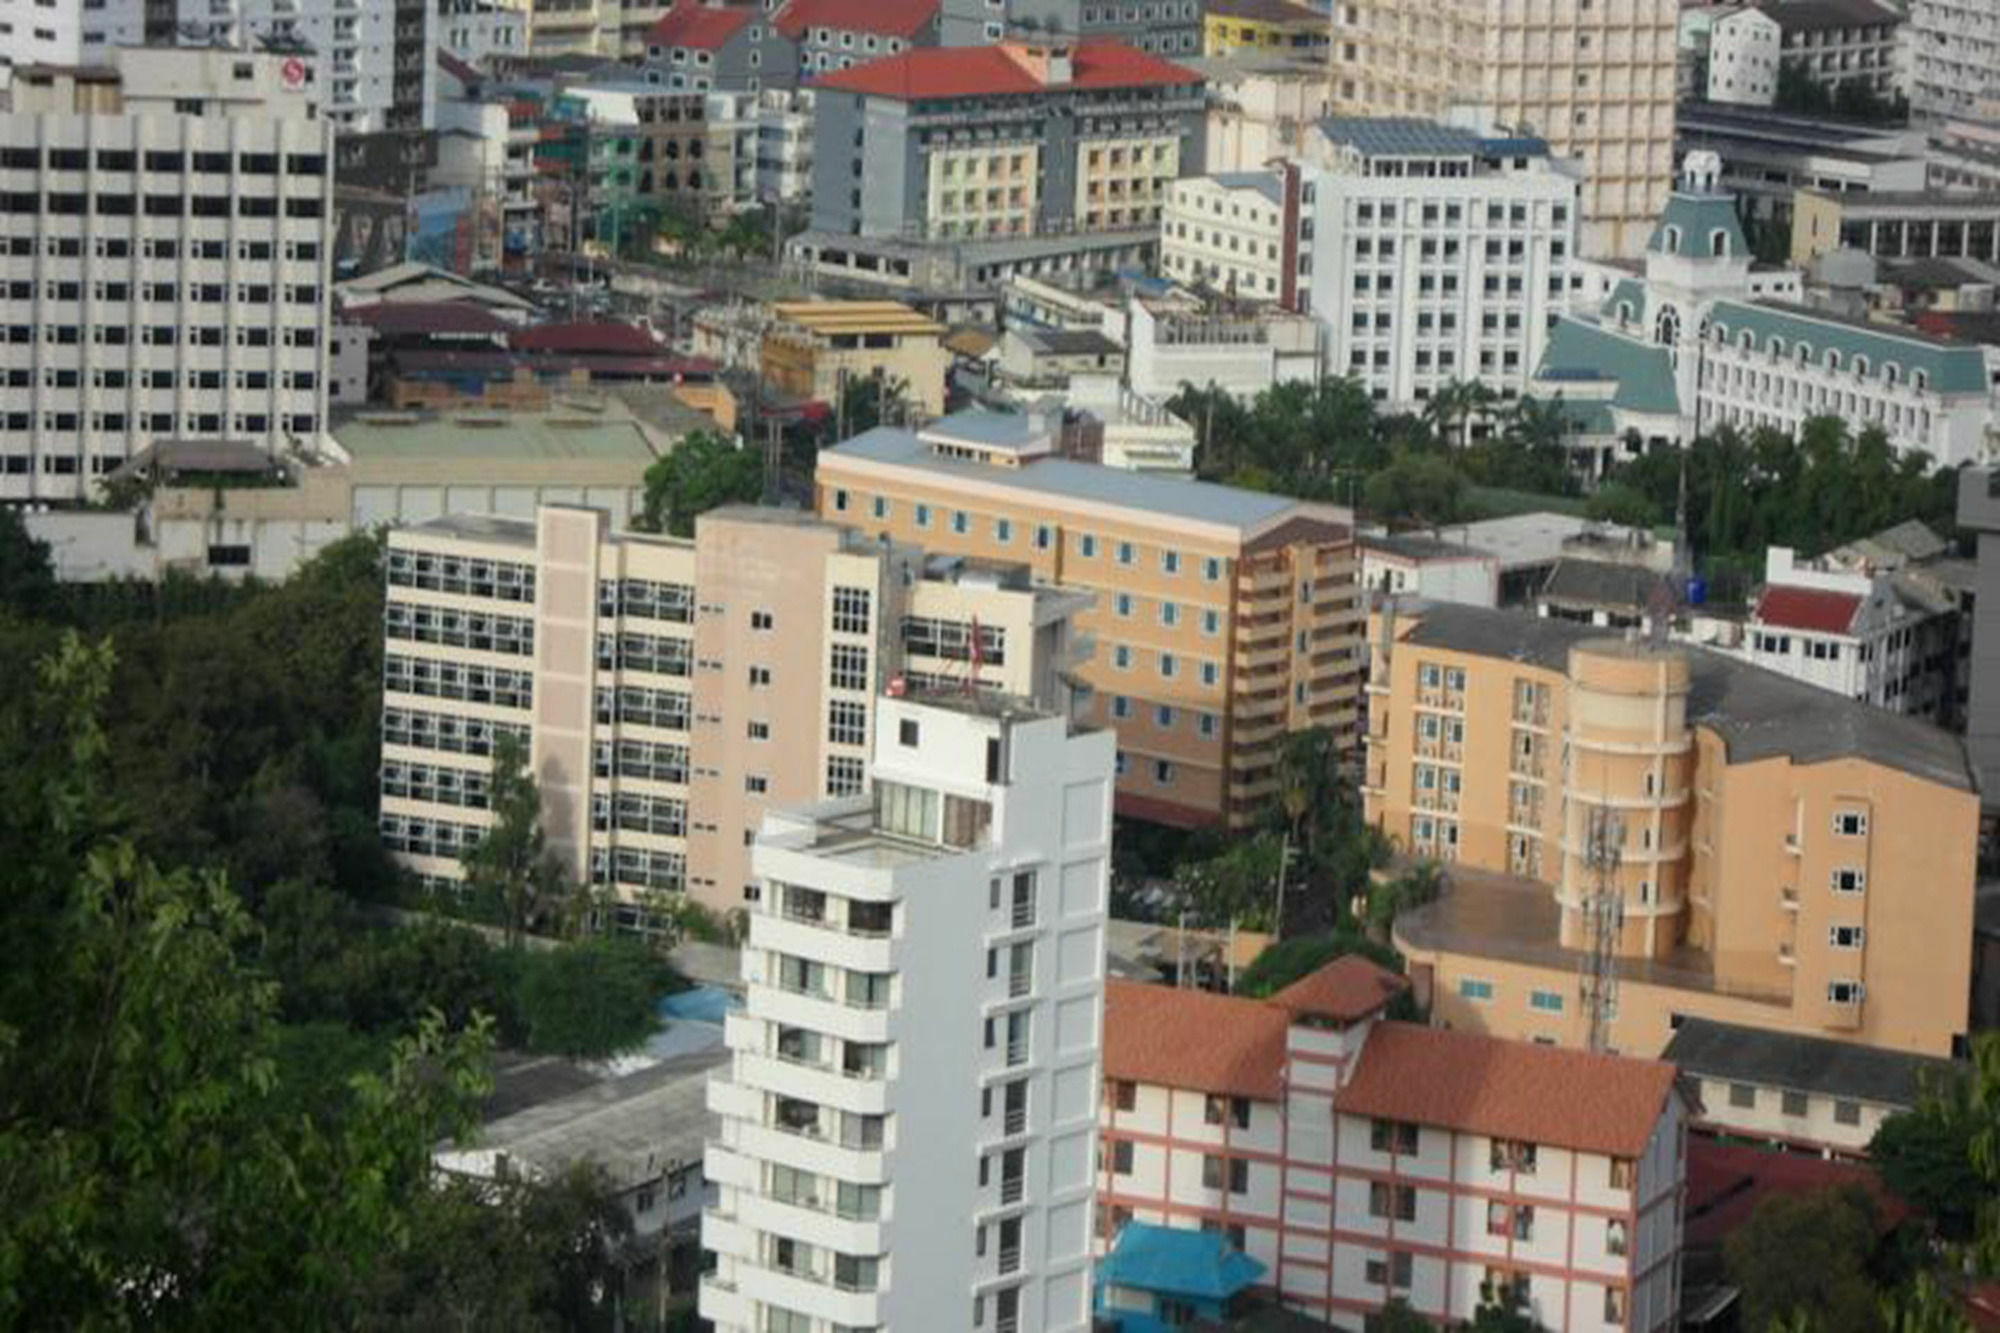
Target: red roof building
x,y
603,336
904,19
693,26
1359,1158
935,73
1814,609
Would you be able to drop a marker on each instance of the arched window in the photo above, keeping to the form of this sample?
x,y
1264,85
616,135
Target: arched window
x,y
1920,380
1776,348
1861,367
1804,353
1667,328
1747,340
1832,359
1624,312
1891,373
1673,239
1720,332
1718,243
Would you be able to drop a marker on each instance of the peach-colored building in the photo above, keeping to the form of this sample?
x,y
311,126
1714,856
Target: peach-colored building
x,y
1755,851
672,690
1361,1159
1224,618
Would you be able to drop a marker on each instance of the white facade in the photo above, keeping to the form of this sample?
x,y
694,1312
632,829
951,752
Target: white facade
x,y
68,32
166,275
476,30
1743,58
1437,259
1433,570
1226,232
377,63
909,1119
1168,347
1954,53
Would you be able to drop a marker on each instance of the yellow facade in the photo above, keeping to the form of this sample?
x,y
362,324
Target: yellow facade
x,y
1301,31
1212,641
1784,858
814,348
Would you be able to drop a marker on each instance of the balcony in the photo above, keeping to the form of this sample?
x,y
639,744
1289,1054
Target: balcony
x,y
1017,1052
1788,898
1012,1190
1015,1121
1019,984
1010,1259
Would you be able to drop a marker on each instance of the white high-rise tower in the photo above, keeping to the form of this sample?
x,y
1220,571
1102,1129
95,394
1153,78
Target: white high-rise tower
x,y
909,1116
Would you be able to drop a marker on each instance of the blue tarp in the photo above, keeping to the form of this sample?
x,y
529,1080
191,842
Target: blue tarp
x,y
703,1004
1178,1261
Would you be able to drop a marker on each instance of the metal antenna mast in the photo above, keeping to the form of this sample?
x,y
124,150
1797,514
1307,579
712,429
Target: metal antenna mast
x,y
1603,919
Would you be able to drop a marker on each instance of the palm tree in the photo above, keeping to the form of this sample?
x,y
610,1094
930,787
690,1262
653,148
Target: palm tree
x,y
1452,410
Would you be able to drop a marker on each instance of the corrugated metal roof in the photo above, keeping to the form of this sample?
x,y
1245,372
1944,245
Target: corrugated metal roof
x,y
1400,136
1803,1064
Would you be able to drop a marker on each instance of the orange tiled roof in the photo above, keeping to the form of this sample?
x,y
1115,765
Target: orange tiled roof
x,y
702,27
936,72
1507,1089
1346,989
888,18
1193,1039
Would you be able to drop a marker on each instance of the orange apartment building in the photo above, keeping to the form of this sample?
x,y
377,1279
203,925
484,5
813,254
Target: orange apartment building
x,y
1362,1160
1785,858
1223,618
671,691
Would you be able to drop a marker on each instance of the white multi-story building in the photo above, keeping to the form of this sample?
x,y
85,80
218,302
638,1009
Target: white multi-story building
x,y
701,682
165,228
476,30
66,33
1233,232
377,63
909,1121
1954,53
1362,1160
1596,79
1743,53
1433,253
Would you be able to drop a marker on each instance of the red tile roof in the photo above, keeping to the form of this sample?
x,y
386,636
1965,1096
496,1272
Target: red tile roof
x,y
1807,609
587,336
460,318
1508,1089
1726,1182
699,26
1193,1039
886,18
935,72
1346,990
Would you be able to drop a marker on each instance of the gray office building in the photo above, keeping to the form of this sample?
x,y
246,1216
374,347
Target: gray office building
x,y
1163,27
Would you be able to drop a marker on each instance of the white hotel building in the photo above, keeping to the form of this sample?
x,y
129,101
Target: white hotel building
x,y
1361,1160
165,228
909,1120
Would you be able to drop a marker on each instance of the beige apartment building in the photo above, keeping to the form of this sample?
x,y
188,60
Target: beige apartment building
x,y
1754,850
814,348
1223,619
1595,78
672,690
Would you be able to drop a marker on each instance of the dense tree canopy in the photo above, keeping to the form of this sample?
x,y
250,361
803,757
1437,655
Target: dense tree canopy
x,y
702,471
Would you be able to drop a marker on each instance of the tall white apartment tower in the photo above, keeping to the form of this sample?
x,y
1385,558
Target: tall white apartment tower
x,y
165,229
907,1137
66,32
1593,77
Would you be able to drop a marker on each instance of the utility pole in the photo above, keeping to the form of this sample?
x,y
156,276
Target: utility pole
x,y
1603,919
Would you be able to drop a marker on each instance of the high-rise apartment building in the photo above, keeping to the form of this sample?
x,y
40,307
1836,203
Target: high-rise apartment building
x,y
1954,54
165,242
1163,27
1736,845
1224,618
69,32
1362,1160
670,690
376,64
909,1119
1596,80
1008,140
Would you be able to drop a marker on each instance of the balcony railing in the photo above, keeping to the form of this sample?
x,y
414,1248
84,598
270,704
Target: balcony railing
x,y
1011,1189
1015,1121
1024,913
1010,1259
1019,984
1017,1052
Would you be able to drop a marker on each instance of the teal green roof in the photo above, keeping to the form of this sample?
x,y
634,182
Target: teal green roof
x,y
1629,290
1948,367
1593,353
1178,1261
1689,223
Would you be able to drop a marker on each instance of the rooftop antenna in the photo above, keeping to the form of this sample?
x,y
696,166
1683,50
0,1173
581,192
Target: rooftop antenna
x,y
1603,919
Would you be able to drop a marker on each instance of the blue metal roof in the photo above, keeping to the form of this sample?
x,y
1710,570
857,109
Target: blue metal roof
x,y
1173,497
1178,1261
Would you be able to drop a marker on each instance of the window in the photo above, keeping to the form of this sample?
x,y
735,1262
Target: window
x,y
1086,545
1394,1136
1742,1096
1235,1110
1615,1237
923,516
1614,1297
1044,536
843,776
961,522
1397,1201
1121,1157
1512,1155
760,677
1390,1270
1471,988
1121,605
1170,562
1211,569
1547,1001
849,669
1624,1171
1504,1219
1845,992
1850,824
907,733
1163,772
850,610
1847,1113
1845,937
847,722
760,731
1849,880
760,620
1231,1173
1124,1094
756,785
1793,1103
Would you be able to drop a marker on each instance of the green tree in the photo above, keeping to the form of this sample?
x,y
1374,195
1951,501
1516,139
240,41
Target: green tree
x,y
869,401
1398,1317
1285,961
1420,884
1502,1309
1807,1254
1617,502
1926,1156
1239,884
1423,489
591,999
1455,407
27,576
702,471
510,872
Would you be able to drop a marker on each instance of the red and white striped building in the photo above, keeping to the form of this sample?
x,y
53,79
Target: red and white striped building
x,y
1361,1159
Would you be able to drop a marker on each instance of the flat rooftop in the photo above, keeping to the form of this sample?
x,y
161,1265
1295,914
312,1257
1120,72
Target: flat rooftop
x,y
1067,479
597,434
1484,914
